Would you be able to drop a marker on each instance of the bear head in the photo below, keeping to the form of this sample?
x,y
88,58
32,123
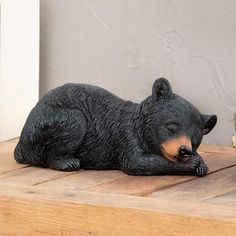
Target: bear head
x,y
173,127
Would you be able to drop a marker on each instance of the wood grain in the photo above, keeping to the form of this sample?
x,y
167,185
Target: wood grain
x,y
139,185
219,161
36,201
216,149
208,189
227,198
7,162
144,185
32,176
106,214
83,179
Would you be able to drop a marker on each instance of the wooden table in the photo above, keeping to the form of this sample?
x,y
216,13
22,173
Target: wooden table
x,y
36,201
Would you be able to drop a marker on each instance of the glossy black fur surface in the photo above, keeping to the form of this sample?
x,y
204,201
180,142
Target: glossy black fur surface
x,y
82,126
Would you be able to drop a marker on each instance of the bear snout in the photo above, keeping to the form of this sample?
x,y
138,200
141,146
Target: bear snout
x,y
178,149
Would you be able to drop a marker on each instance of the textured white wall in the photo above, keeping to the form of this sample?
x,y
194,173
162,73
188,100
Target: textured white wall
x,y
125,45
19,64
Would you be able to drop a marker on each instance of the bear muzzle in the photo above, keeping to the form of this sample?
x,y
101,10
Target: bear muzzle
x,y
178,149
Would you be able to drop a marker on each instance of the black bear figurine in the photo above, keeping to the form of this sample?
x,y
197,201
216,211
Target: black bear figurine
x,y
82,126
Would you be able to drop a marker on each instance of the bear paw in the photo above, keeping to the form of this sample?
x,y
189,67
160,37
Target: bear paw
x,y
202,169
67,164
193,163
194,166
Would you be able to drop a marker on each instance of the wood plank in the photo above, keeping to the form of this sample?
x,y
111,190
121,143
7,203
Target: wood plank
x,y
215,148
127,185
54,203
144,185
139,185
81,180
219,161
7,161
118,201
32,176
208,189
224,199
84,213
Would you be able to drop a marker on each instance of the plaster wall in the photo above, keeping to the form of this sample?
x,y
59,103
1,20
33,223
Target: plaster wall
x,y
124,46
19,64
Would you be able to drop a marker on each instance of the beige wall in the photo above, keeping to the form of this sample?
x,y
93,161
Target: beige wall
x,y
125,45
19,64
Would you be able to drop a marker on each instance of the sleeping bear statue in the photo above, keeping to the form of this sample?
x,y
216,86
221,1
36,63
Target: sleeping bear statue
x,y
83,126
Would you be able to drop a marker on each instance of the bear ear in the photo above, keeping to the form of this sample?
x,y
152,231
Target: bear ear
x,y
161,89
209,123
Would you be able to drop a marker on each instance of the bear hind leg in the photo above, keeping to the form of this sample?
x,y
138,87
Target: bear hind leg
x,y
63,140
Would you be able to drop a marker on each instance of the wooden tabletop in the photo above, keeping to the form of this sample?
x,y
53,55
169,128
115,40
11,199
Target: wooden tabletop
x,y
37,201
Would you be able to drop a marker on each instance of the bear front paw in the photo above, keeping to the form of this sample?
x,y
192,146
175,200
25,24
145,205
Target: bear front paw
x,y
197,164
194,166
193,163
202,169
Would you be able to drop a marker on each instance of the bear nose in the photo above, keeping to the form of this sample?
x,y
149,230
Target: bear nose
x,y
185,151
